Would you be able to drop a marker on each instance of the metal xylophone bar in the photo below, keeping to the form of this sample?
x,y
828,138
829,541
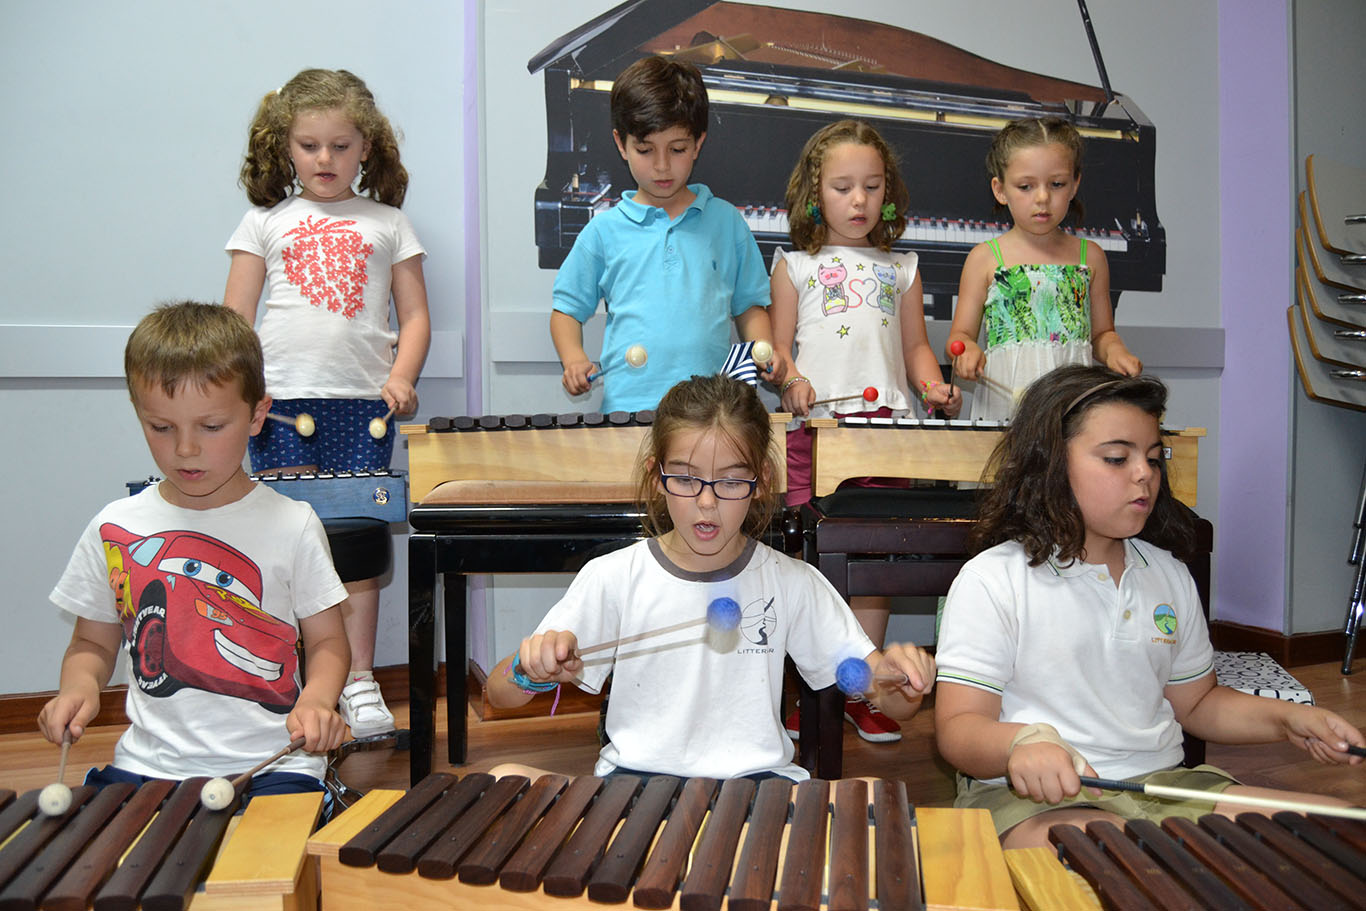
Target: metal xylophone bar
x,y
1283,862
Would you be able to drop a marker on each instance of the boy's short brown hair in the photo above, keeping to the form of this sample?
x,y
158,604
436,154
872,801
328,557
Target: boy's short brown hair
x,y
207,344
656,93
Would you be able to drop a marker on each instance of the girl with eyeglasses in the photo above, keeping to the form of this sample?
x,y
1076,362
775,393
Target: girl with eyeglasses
x,y
702,701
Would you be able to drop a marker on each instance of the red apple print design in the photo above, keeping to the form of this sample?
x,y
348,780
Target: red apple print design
x,y
328,264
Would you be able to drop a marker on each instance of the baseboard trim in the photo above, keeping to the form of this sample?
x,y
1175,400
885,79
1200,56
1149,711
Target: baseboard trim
x,y
19,712
1293,650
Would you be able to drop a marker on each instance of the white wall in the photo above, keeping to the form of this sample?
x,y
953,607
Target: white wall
x,y
138,112
125,126
1329,442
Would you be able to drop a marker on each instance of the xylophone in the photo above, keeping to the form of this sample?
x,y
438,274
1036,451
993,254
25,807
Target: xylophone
x,y
508,843
565,449
947,450
693,844
155,847
1287,861
381,495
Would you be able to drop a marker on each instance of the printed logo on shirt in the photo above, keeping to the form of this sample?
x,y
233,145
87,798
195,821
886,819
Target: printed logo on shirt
x,y
327,263
1164,618
191,611
758,623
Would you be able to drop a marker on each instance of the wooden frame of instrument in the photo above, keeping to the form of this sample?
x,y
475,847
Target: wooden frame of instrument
x,y
944,452
592,455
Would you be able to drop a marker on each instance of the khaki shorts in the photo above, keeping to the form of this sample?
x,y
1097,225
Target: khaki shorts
x,y
1009,809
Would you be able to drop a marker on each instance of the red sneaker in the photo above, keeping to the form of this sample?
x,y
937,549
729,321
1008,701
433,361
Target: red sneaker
x,y
870,723
793,724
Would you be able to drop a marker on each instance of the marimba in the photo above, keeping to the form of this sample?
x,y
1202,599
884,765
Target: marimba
x,y
155,847
948,450
693,844
660,843
1287,861
509,494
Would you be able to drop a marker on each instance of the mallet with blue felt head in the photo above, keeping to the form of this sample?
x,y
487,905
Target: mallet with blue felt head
x,y
723,614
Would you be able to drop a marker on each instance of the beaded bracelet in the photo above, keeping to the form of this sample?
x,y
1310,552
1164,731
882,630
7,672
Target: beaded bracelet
x,y
525,683
792,380
925,391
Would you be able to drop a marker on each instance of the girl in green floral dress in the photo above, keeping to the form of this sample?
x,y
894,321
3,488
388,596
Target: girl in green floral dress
x,y
1044,293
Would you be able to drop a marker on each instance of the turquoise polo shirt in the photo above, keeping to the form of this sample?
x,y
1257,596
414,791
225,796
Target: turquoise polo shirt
x,y
672,285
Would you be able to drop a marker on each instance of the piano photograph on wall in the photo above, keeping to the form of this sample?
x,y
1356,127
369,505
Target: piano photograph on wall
x,y
775,76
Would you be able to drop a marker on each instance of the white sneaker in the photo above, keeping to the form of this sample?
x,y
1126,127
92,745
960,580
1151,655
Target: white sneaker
x,y
362,707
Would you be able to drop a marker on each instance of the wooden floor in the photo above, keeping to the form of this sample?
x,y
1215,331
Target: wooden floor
x,y
568,744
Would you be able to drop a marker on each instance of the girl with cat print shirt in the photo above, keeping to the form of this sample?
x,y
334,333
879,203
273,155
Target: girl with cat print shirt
x,y
854,310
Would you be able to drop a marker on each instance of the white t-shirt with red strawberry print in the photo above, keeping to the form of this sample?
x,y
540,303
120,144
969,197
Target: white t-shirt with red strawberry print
x,y
326,327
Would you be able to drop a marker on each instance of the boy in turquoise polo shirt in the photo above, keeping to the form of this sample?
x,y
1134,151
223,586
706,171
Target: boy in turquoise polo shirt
x,y
673,263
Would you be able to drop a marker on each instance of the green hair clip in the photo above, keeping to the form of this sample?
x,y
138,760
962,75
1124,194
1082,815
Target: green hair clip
x,y
814,211
889,212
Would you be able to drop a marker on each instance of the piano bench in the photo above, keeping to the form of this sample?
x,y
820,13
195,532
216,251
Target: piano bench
x,y
360,547
877,542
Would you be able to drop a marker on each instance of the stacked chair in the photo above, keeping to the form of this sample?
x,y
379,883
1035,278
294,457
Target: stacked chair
x,y
1328,319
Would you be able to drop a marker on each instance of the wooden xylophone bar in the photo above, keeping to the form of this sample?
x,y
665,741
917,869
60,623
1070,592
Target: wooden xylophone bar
x,y
1284,862
947,450
153,847
660,843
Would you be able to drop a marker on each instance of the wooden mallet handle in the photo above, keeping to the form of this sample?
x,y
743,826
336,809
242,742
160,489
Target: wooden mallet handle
x,y
1210,797
869,395
246,776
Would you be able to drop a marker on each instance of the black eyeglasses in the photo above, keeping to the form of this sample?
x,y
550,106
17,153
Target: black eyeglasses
x,y
685,485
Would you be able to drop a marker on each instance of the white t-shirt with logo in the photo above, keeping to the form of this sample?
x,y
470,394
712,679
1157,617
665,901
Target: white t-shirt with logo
x,y
210,602
698,702
1061,644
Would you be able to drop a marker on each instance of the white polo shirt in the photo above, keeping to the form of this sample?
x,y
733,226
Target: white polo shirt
x,y
1062,644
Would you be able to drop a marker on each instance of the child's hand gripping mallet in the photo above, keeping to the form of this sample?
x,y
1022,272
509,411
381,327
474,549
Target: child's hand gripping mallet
x,y
636,356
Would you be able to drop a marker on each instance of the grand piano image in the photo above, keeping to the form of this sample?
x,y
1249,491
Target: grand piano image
x,y
775,76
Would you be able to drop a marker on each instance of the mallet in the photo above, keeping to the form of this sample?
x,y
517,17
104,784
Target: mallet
x,y
636,356
217,793
55,799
